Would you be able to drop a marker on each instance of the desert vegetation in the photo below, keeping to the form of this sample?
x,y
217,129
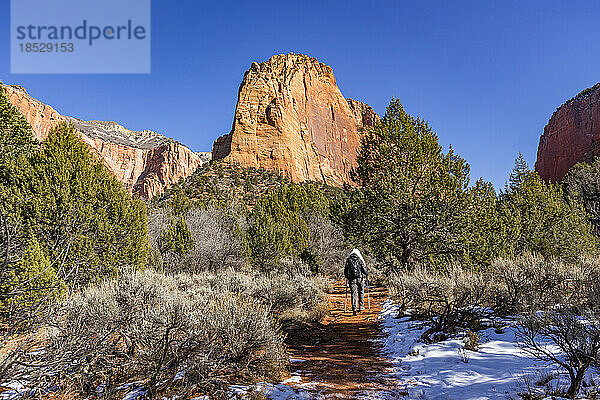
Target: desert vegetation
x,y
102,293
462,258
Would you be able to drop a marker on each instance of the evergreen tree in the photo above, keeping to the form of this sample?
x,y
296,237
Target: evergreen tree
x,y
17,144
411,196
278,229
539,219
177,238
64,218
582,184
519,173
16,136
485,236
77,210
80,205
180,204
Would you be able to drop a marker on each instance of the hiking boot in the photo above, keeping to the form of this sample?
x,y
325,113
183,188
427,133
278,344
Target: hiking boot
x,y
354,312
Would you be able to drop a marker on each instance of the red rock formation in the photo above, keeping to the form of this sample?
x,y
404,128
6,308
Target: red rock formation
x,y
146,162
292,118
571,136
40,116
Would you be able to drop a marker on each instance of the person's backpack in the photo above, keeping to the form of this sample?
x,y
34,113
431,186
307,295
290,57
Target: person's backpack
x,y
353,267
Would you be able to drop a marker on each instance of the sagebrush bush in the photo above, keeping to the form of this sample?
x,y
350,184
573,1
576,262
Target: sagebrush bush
x,y
149,327
450,299
558,303
294,296
218,237
585,289
326,250
455,296
532,282
214,240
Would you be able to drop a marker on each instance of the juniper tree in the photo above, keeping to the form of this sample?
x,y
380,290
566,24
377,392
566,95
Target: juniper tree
x,y
540,219
411,195
485,237
76,203
64,220
582,183
279,227
176,237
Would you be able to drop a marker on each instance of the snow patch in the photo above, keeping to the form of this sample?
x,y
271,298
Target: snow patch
x,y
445,370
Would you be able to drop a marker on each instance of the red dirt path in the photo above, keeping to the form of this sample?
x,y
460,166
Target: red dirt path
x,y
342,356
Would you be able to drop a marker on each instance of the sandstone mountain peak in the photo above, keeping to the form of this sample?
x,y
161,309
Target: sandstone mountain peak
x,y
286,65
292,118
145,161
572,135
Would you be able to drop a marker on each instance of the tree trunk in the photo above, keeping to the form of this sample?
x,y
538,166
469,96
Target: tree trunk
x,y
576,380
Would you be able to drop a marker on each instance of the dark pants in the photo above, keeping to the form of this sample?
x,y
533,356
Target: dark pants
x,y
357,290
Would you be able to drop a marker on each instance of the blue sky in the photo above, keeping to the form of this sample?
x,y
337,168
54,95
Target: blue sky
x,y
487,75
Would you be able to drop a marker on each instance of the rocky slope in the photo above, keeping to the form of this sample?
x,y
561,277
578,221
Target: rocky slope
x,y
292,118
571,136
146,162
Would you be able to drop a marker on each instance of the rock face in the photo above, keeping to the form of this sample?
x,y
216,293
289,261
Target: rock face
x,y
571,136
292,118
146,162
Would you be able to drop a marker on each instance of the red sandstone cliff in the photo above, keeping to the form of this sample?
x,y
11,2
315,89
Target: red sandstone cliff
x,y
146,162
571,136
292,118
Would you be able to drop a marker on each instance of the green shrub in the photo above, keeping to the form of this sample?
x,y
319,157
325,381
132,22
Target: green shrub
x,y
471,341
32,283
176,238
278,228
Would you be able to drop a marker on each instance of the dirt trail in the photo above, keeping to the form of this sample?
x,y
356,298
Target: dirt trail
x,y
341,357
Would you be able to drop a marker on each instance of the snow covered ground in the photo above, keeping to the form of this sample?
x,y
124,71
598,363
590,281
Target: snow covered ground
x,y
445,370
281,391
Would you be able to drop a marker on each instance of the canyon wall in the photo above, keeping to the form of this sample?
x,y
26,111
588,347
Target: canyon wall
x,y
571,136
146,162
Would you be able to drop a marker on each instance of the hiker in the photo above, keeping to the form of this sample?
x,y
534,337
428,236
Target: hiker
x,y
356,274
